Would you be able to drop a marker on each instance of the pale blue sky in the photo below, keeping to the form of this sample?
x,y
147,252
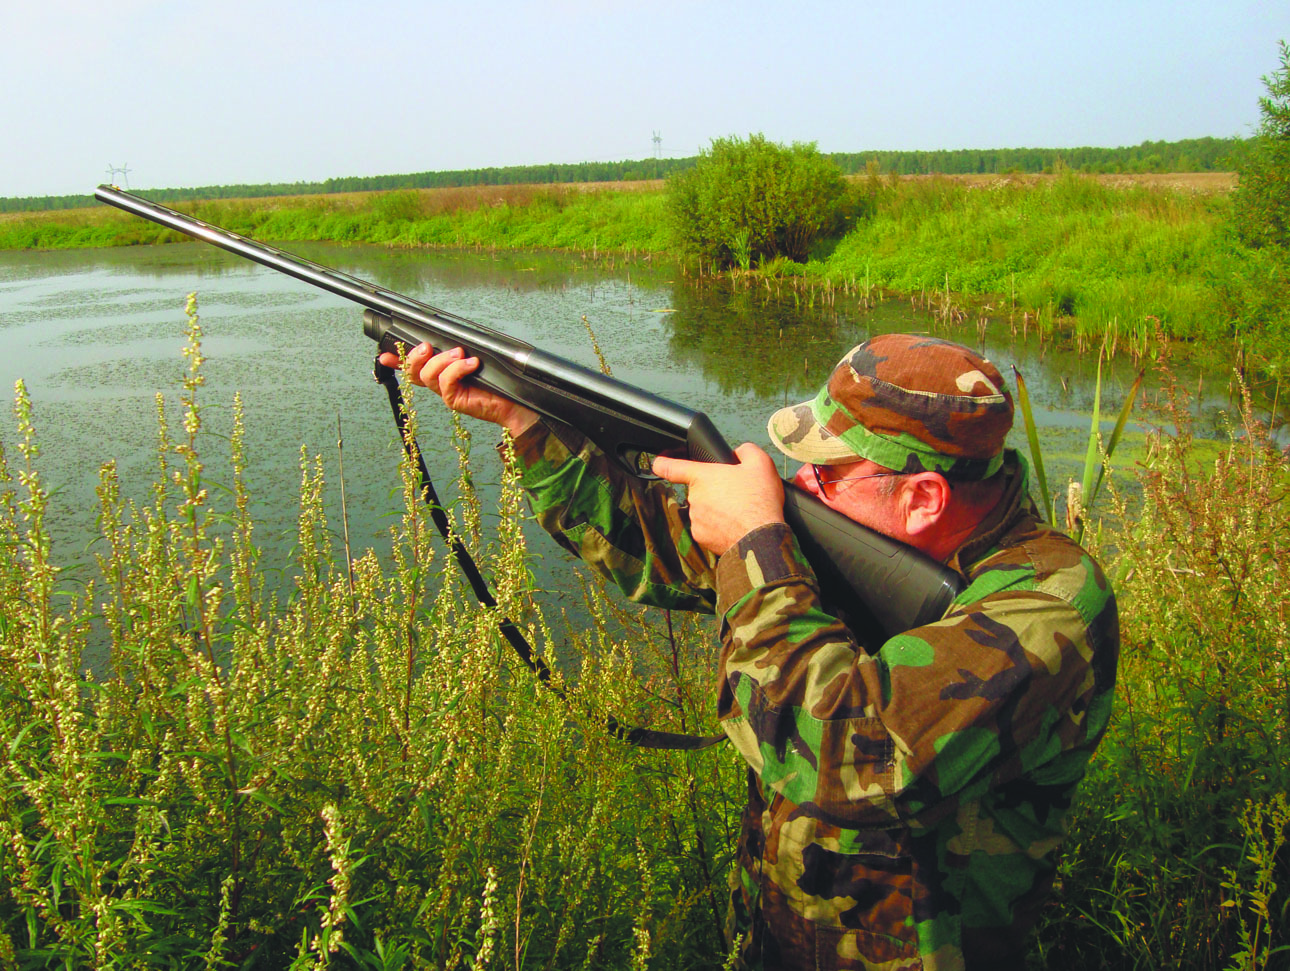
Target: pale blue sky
x,y
225,91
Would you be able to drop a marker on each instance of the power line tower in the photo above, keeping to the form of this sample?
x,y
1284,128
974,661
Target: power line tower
x,y
658,145
112,171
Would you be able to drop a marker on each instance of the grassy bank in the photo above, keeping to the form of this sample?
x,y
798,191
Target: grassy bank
x,y
363,776
1093,256
501,217
1102,259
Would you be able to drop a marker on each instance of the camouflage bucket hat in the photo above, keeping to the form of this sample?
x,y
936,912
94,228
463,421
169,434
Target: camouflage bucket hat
x,y
908,403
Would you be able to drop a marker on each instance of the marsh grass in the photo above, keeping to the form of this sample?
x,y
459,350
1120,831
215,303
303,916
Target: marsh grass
x,y
589,218
357,778
1103,257
1178,855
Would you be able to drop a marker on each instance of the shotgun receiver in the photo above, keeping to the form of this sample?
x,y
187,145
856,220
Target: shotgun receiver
x,y
879,586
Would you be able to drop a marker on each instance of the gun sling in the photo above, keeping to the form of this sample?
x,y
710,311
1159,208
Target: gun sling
x,y
634,735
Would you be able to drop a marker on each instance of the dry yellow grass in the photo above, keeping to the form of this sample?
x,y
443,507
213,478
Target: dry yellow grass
x,y
451,198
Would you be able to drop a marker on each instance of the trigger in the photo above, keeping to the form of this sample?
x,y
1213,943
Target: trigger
x,y
639,464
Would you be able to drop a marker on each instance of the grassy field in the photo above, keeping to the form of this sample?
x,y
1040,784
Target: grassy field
x,y
1096,256
520,216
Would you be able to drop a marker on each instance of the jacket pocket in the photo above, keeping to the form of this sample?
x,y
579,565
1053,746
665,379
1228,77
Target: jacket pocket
x,y
843,895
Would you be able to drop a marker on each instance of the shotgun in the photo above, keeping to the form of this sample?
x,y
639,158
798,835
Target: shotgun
x,y
877,585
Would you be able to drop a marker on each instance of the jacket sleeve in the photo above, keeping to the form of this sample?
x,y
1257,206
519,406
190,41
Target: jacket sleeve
x,y
634,532
1003,684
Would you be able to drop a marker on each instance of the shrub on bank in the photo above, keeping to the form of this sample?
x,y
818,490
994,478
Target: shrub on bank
x,y
747,201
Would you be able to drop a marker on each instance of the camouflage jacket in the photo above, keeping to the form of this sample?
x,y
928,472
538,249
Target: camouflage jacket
x,y
905,808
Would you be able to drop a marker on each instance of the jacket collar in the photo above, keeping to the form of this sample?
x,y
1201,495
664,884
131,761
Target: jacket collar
x,y
1014,507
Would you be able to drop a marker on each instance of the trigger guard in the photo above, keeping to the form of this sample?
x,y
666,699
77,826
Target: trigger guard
x,y
631,463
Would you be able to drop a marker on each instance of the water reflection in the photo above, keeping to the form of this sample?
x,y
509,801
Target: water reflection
x,y
772,346
748,341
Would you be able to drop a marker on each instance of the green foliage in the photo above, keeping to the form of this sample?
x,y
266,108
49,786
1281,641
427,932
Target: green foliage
x,y
1130,264
600,221
1125,263
360,777
402,205
1262,199
1081,496
754,200
632,170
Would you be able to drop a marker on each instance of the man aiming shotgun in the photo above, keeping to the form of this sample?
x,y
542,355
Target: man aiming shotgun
x,y
915,668
906,806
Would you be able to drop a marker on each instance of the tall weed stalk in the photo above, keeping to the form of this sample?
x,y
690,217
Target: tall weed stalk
x,y
360,775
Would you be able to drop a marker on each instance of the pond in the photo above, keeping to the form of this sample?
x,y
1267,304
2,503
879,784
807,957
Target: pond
x,y
97,335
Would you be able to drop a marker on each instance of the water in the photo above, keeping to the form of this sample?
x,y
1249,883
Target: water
x,y
96,335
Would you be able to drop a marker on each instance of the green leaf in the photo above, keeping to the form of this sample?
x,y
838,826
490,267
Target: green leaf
x,y
1120,423
1092,456
142,906
1032,437
260,797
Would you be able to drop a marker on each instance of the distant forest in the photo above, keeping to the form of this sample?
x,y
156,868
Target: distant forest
x,y
1188,155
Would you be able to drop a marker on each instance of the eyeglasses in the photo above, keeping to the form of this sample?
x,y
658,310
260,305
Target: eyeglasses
x,y
821,481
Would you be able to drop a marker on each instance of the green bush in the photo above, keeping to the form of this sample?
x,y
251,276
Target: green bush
x,y
405,205
751,200
1178,854
1262,200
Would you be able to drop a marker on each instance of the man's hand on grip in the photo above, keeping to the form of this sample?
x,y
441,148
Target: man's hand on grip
x,y
445,372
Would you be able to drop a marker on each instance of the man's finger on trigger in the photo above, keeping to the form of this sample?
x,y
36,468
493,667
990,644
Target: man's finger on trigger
x,y
435,365
672,469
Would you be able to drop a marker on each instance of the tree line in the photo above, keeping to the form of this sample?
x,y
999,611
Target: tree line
x,y
1187,155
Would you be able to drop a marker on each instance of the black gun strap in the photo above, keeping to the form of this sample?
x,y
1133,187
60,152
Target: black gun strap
x,y
643,737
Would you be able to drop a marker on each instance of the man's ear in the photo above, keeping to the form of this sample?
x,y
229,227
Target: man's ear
x,y
925,498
